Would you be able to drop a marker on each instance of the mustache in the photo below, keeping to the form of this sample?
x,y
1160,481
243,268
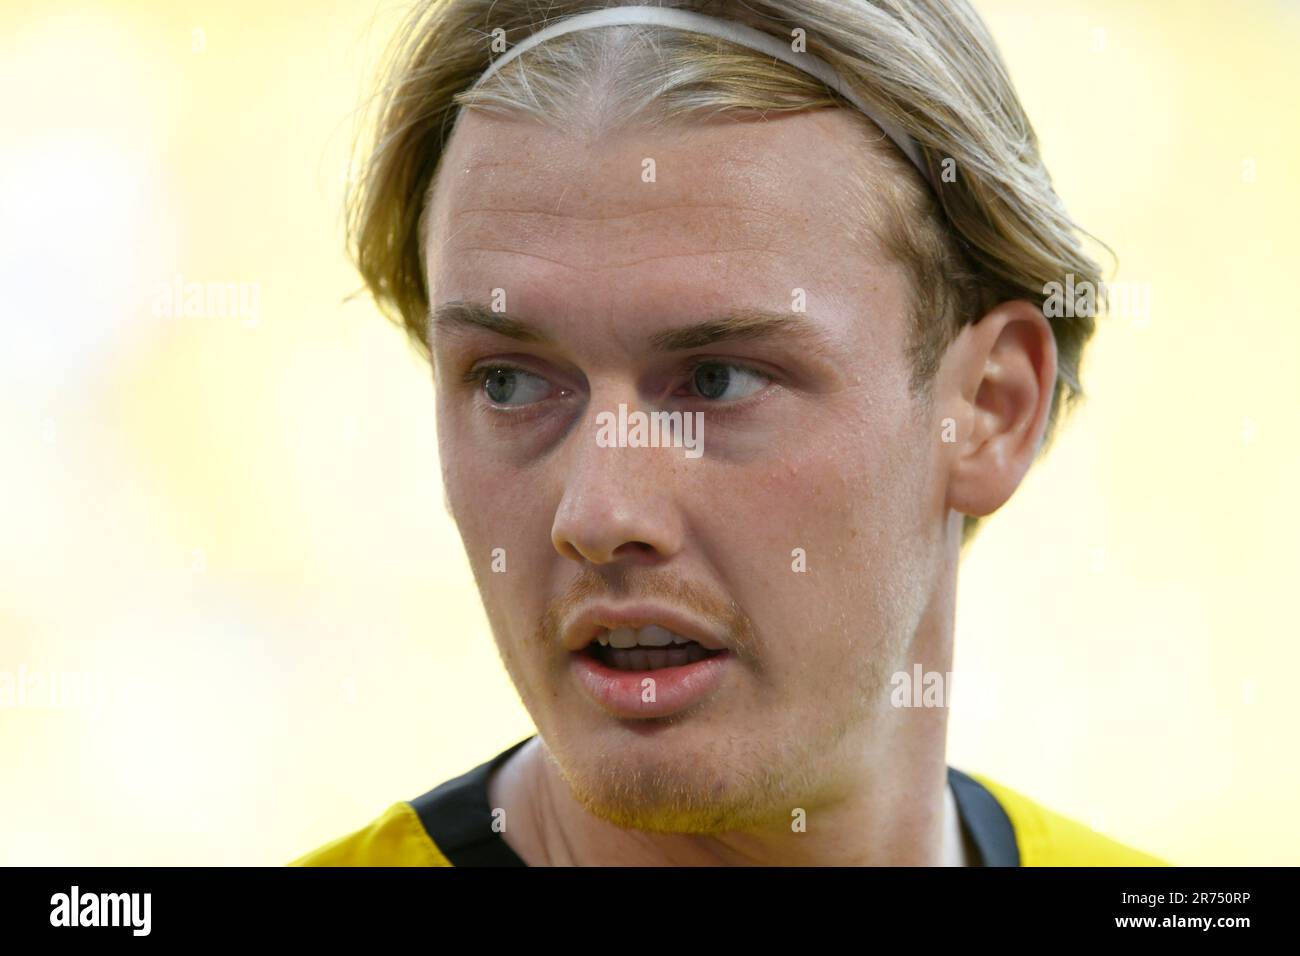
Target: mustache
x,y
627,584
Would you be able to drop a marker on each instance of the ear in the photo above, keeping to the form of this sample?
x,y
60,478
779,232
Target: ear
x,y
996,383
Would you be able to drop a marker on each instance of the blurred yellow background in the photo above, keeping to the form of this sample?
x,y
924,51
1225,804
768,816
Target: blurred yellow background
x,y
222,534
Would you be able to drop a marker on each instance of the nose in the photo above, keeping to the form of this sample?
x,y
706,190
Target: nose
x,y
618,503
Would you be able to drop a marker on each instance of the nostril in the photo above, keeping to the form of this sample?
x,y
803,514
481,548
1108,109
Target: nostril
x,y
631,548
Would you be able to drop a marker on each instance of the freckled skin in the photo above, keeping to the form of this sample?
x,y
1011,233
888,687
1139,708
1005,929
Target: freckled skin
x,y
836,457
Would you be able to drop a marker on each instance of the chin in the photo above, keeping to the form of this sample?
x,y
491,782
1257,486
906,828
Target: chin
x,y
683,786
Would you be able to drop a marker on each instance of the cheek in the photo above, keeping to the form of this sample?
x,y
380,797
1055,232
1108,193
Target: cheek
x,y
493,506
506,541
495,509
815,542
825,494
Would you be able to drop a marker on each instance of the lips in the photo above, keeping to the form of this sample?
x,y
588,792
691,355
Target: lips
x,y
639,625
648,648
646,694
645,661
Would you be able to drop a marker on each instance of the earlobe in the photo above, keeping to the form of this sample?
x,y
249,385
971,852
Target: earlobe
x,y
1002,380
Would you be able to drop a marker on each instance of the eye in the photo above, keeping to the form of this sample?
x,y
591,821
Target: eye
x,y
510,386
722,381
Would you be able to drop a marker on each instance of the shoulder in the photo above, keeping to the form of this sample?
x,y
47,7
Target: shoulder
x,y
451,825
396,838
1047,838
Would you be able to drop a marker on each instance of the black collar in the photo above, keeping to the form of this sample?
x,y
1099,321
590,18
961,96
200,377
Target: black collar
x,y
458,819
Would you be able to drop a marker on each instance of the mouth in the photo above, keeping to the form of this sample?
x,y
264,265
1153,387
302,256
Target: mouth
x,y
644,661
648,648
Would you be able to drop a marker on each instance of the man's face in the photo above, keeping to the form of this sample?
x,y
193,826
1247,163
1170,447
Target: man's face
x,y
804,540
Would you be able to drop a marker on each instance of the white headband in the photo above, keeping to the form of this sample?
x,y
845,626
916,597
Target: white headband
x,y
738,33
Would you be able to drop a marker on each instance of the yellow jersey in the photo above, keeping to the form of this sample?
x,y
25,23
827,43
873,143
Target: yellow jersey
x,y
451,825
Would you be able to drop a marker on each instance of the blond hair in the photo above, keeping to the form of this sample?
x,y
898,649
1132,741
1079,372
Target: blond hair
x,y
992,229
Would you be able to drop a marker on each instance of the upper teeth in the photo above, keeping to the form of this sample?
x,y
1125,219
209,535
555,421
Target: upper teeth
x,y
652,635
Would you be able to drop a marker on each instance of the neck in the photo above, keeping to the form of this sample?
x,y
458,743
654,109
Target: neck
x,y
894,808
890,821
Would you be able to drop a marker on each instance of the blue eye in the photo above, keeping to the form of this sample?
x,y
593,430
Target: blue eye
x,y
506,385
723,381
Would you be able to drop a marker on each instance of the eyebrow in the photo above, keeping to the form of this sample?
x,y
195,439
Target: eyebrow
x,y
743,323
459,315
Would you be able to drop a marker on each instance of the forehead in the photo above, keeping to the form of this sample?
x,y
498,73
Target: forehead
x,y
683,214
